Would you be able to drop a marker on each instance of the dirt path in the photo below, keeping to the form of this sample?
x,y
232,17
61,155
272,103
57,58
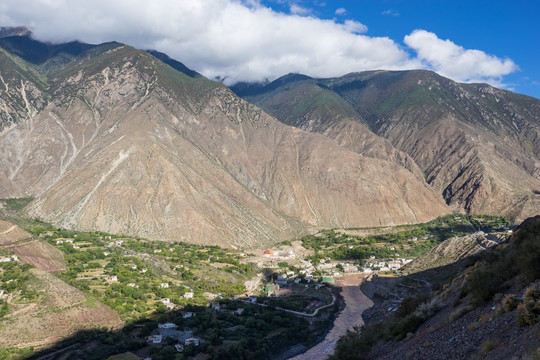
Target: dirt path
x,y
355,303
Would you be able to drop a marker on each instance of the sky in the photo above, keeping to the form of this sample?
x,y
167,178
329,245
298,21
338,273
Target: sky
x,y
496,42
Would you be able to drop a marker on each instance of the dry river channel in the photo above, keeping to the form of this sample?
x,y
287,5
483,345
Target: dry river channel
x,y
355,303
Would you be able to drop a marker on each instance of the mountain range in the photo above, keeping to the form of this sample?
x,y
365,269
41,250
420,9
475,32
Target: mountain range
x,y
476,145
112,138
108,137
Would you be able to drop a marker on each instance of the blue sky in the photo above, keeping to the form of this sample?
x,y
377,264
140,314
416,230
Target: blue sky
x,y
259,40
506,29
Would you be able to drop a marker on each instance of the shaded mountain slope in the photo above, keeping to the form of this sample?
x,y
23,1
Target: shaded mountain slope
x,y
127,144
478,146
487,306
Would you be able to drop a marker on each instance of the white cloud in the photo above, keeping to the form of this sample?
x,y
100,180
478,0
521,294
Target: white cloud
x,y
355,27
341,11
243,40
298,10
390,12
456,62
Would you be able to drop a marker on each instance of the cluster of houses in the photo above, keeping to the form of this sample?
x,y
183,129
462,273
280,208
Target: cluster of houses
x,y
169,329
9,258
282,255
384,265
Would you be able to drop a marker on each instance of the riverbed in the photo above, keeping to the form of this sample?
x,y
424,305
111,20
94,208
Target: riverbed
x,y
355,303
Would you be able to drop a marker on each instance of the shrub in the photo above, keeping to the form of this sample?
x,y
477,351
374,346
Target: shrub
x,y
528,313
510,302
460,312
487,346
474,326
401,328
532,293
429,308
410,304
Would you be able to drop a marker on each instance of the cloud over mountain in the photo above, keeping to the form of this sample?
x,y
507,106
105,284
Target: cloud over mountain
x,y
247,41
456,62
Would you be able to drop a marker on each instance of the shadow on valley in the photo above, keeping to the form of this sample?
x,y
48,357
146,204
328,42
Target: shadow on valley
x,y
483,306
225,330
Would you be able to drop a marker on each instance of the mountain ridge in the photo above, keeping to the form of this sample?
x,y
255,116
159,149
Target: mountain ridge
x,y
127,144
469,140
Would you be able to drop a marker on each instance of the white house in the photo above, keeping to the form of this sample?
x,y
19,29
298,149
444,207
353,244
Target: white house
x,y
167,325
154,339
188,295
187,314
164,285
192,340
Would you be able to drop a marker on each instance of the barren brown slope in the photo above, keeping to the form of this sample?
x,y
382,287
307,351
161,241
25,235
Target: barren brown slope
x,y
29,249
478,146
129,145
61,311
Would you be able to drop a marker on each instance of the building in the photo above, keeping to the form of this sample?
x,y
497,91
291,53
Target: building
x,y
268,253
154,339
187,314
188,295
167,325
192,340
9,258
164,285
271,288
239,311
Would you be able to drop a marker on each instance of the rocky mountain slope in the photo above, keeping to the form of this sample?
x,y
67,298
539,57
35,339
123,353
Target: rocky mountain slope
x,y
487,306
476,145
109,137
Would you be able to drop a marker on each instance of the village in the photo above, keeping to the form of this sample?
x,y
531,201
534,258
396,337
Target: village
x,y
194,299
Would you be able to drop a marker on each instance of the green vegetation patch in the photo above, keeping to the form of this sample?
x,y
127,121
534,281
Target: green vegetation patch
x,y
137,278
408,240
16,204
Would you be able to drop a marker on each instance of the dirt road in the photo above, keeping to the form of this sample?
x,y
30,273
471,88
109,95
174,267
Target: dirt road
x,y
355,303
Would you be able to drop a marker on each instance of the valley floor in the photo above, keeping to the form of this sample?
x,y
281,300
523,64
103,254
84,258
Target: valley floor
x,y
356,302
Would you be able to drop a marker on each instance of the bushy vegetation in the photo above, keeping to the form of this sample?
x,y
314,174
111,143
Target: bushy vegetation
x,y
14,279
15,353
408,241
128,274
16,204
493,269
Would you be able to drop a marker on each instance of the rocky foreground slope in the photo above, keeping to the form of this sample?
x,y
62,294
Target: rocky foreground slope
x,y
110,138
484,306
